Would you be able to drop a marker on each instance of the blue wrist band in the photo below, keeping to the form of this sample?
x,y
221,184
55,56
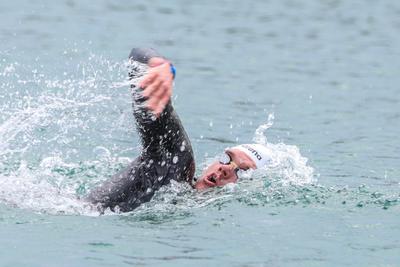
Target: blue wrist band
x,y
173,70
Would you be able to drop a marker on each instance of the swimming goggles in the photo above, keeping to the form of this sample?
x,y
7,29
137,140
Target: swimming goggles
x,y
226,159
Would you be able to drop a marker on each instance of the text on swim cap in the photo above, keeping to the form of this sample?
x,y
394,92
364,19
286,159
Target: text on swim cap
x,y
253,151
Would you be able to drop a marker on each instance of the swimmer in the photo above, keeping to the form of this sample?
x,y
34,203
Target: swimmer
x,y
225,170
167,152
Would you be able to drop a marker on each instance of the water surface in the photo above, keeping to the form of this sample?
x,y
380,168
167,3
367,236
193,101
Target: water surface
x,y
323,73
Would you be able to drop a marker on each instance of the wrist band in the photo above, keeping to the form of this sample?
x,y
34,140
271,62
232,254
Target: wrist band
x,y
173,70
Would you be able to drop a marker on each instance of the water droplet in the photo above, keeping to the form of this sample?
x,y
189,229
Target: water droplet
x,y
183,146
175,159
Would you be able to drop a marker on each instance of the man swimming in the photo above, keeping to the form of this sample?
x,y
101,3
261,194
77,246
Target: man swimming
x,y
167,153
225,170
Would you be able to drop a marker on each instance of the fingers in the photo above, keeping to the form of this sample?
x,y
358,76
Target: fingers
x,y
148,79
157,86
153,101
153,88
163,102
160,97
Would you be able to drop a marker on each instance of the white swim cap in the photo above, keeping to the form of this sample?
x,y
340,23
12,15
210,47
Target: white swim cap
x,y
260,154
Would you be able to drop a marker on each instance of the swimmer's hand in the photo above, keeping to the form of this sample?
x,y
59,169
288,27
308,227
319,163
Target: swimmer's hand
x,y
157,85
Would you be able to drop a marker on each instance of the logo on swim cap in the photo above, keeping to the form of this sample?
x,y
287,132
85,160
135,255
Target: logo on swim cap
x,y
253,151
260,154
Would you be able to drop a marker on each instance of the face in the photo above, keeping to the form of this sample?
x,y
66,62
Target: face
x,y
217,174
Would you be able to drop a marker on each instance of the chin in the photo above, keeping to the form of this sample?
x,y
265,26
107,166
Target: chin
x,y
201,185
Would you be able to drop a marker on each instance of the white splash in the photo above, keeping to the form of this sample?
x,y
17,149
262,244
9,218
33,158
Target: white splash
x,y
288,165
30,189
46,121
259,135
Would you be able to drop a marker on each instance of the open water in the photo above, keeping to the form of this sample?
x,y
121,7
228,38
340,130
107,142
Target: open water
x,y
317,81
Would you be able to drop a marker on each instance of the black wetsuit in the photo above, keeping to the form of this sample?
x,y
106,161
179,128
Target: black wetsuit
x,y
167,153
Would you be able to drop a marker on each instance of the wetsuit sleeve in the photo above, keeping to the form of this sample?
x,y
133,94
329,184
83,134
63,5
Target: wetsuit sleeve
x,y
166,155
162,135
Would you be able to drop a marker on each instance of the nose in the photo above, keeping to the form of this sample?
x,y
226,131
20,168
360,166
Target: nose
x,y
224,171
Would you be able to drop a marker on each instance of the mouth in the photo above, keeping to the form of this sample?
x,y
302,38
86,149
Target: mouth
x,y
211,180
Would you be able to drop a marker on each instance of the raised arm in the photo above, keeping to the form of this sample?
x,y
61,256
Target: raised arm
x,y
159,127
167,153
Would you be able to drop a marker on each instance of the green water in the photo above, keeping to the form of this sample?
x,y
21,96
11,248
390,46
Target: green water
x,y
322,75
